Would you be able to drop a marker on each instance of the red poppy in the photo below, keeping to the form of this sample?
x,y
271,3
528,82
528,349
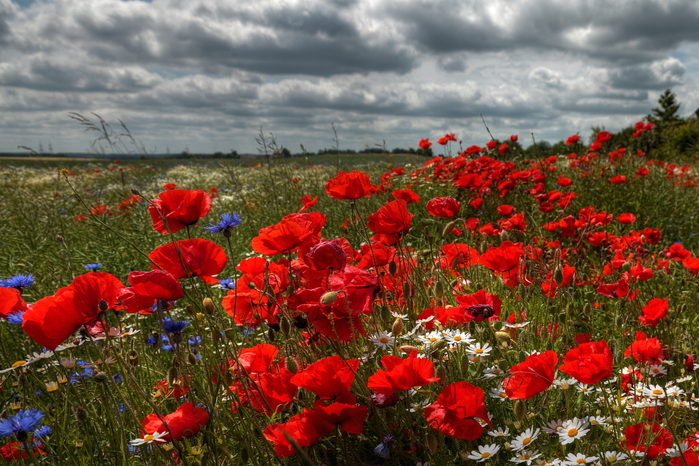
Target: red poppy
x,y
257,358
53,319
179,208
443,207
348,417
460,255
18,450
619,179
11,302
308,202
305,428
514,138
565,182
457,410
573,139
147,288
168,390
185,422
375,255
424,144
267,392
473,150
406,195
491,145
350,186
532,376
654,312
692,264
480,306
677,252
645,350
688,458
648,437
626,218
329,378
391,221
199,258
402,374
506,210
589,362
169,186
285,236
503,148
326,255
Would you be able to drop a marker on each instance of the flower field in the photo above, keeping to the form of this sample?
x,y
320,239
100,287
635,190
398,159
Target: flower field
x,y
475,308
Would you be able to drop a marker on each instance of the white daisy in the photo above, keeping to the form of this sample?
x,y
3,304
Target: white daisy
x,y
484,452
553,426
383,340
526,456
572,430
524,439
149,438
564,384
492,372
657,370
615,456
478,350
499,432
498,393
579,458
458,337
598,420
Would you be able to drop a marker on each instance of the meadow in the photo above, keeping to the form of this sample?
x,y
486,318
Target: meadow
x,y
481,307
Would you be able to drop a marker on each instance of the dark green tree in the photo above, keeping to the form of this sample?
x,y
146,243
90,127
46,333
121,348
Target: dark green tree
x,y
667,113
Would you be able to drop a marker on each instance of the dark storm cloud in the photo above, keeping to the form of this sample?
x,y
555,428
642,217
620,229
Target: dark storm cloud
x,y
623,31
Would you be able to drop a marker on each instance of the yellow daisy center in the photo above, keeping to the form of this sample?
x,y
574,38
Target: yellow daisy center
x,y
572,432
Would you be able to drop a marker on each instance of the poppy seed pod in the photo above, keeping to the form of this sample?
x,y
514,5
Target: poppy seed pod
x,y
398,327
520,409
209,305
449,228
292,365
329,298
408,349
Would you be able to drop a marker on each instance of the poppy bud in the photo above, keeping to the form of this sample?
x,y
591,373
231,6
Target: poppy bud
x,y
503,336
285,326
329,298
392,267
407,290
504,235
619,321
558,276
191,359
209,305
562,317
626,266
101,377
497,325
230,333
520,409
135,192
292,365
385,313
465,363
439,290
252,286
398,327
407,349
244,455
271,334
448,228
81,414
191,309
215,336
432,442
172,375
441,372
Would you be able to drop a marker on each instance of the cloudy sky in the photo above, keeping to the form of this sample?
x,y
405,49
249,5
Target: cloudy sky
x,y
207,74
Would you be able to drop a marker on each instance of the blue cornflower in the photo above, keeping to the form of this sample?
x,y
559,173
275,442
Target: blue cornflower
x,y
227,284
16,319
229,221
21,423
384,449
93,267
174,326
18,281
43,431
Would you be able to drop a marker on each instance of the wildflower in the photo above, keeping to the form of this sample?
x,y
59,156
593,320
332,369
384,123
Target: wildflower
x,y
227,223
227,284
43,432
499,432
492,372
18,282
526,456
579,458
554,426
457,409
383,340
484,452
16,319
21,423
615,456
93,267
479,350
150,438
349,186
564,384
384,448
178,208
598,420
656,370
532,376
573,429
174,326
523,440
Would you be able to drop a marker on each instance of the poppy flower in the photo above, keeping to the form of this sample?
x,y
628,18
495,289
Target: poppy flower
x,y
491,145
326,255
402,374
626,218
688,458
424,144
677,252
185,422
147,288
285,236
305,428
267,392
407,195
645,350
179,208
19,450
329,378
480,306
503,148
648,437
257,358
199,258
619,179
348,417
11,302
590,362
443,207
457,410
391,221
352,185
532,376
54,318
654,312
308,202
565,182
460,255
573,140
514,138
473,150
